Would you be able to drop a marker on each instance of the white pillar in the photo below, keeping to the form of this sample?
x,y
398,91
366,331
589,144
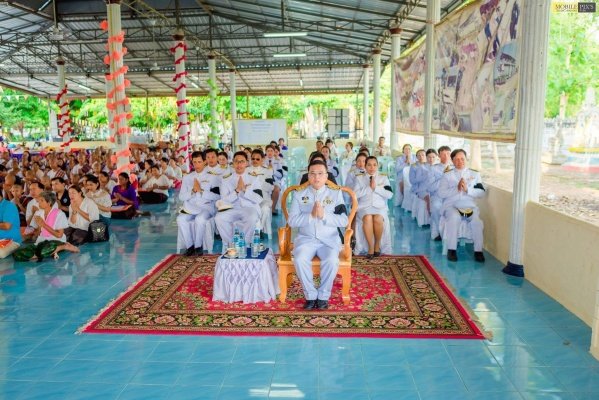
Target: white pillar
x,y
376,88
213,87
433,14
233,94
184,148
395,53
533,79
109,113
118,82
366,105
64,118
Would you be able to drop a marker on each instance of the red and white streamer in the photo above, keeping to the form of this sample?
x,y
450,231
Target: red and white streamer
x,y
180,89
64,117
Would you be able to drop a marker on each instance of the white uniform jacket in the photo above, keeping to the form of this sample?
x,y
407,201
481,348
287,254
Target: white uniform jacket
x,y
310,228
204,200
372,198
448,189
251,197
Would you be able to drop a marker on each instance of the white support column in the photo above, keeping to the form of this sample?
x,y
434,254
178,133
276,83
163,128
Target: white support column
x,y
395,53
184,148
64,118
233,94
115,47
109,113
213,86
376,88
366,105
533,79
433,15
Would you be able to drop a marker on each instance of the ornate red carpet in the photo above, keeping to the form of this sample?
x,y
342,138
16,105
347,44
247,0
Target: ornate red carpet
x,y
391,296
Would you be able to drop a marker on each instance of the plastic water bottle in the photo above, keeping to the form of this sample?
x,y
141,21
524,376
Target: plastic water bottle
x,y
256,244
236,241
241,253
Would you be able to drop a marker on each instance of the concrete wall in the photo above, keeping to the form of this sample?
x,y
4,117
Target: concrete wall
x,y
561,253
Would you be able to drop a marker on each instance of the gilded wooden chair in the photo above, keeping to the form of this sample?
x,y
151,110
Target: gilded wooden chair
x,y
286,266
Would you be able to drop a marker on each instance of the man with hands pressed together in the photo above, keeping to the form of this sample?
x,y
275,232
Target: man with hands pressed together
x,y
317,211
459,188
241,195
199,192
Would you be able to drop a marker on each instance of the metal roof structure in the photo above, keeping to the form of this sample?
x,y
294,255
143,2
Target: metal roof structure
x,y
340,36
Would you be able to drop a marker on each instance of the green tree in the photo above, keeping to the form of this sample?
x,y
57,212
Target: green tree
x,y
572,60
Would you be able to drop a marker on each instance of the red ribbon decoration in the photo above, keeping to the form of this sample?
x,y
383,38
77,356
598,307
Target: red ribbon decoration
x,y
179,102
179,75
181,86
182,58
180,44
104,25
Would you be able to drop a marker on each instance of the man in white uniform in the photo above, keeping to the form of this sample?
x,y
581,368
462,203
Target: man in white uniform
x,y
199,192
268,181
241,195
438,170
459,189
317,211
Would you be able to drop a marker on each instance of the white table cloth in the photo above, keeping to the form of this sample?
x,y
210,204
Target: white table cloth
x,y
248,279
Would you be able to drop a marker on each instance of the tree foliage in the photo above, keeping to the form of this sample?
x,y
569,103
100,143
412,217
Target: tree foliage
x,y
572,60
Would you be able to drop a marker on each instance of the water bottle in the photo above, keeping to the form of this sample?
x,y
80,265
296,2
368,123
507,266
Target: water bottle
x,y
236,241
241,253
256,244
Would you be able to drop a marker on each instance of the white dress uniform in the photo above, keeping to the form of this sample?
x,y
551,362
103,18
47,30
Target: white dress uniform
x,y
436,201
400,164
317,237
197,208
268,181
246,211
371,202
333,168
454,200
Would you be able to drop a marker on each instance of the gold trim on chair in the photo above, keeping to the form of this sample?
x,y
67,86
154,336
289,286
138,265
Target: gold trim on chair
x,y
285,261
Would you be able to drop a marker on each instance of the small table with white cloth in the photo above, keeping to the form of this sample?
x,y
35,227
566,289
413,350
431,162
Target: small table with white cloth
x,y
246,279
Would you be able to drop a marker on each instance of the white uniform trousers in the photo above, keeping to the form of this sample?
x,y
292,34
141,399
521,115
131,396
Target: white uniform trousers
x,y
453,219
244,218
436,204
329,264
192,228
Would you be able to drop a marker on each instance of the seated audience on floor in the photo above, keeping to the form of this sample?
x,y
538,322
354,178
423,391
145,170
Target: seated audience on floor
x,y
62,195
124,197
317,211
10,227
82,211
100,197
49,223
155,189
459,188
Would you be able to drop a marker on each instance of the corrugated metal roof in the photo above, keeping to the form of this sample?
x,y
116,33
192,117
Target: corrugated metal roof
x,y
341,37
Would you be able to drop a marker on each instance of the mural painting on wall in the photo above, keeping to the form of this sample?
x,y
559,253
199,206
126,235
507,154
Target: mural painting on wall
x,y
476,74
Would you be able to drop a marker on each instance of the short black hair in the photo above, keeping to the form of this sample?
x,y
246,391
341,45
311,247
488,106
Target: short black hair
x,y
431,151
443,148
317,162
196,154
372,158
241,153
210,150
457,151
58,178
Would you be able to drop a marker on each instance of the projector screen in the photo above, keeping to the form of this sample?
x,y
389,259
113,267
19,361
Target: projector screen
x,y
260,131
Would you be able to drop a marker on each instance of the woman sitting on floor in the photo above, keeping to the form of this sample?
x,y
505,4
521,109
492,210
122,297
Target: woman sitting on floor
x,y
100,197
124,198
155,190
373,191
49,223
82,211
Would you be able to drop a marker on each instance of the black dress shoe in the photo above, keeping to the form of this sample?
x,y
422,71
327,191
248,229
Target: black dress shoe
x,y
452,255
479,256
200,251
322,304
438,238
377,254
190,251
369,256
310,304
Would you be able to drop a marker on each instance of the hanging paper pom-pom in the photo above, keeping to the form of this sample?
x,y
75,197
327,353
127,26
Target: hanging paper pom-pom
x,y
104,25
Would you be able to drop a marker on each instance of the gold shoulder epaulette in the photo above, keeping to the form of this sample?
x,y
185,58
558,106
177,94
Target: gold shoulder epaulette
x,y
471,169
447,170
226,176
